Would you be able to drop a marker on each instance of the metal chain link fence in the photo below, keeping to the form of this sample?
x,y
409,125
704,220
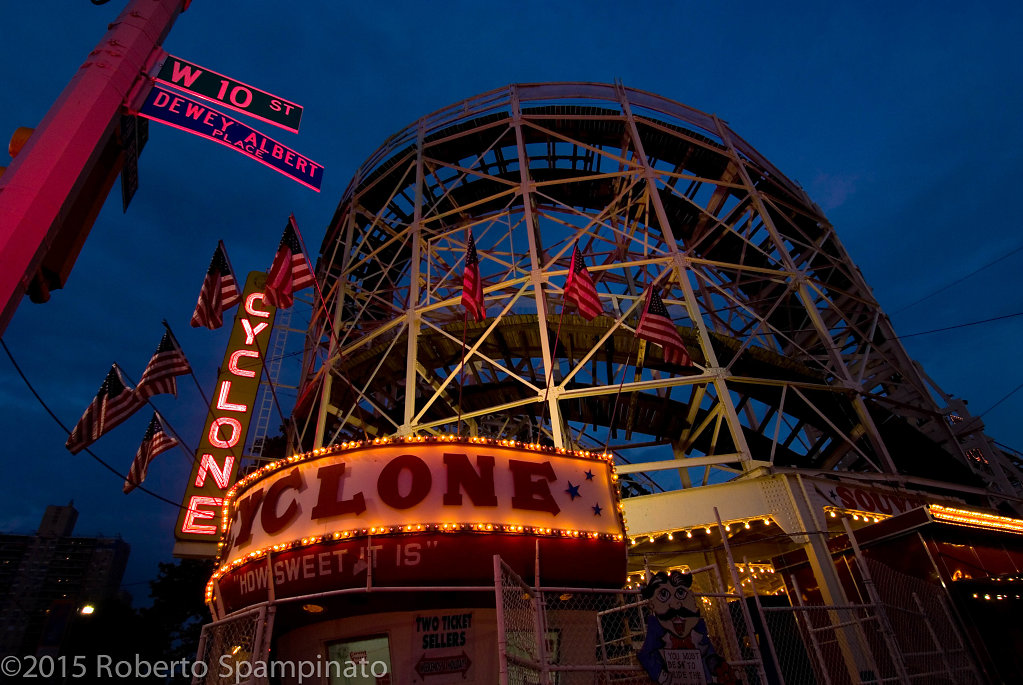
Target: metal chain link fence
x,y
923,627
824,644
595,637
592,636
232,646
519,649
586,636
726,627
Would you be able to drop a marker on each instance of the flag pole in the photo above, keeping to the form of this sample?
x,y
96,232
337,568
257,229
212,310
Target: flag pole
x,y
181,443
550,374
322,305
614,410
195,379
178,441
557,338
191,371
149,401
223,251
461,373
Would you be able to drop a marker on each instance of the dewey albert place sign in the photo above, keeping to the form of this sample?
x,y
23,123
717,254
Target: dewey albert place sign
x,y
176,110
230,93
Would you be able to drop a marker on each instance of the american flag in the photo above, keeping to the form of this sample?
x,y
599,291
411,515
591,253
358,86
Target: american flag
x,y
167,362
579,288
114,403
156,441
290,271
472,284
655,326
309,394
219,292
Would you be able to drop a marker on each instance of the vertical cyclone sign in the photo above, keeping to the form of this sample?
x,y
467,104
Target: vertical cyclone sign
x,y
227,423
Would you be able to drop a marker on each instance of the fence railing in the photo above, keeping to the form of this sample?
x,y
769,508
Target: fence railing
x,y
231,649
587,636
595,636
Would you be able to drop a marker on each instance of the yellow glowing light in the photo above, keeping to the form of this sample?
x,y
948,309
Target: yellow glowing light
x,y
230,501
965,517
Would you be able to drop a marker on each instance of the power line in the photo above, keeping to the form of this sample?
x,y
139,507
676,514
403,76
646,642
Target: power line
x,y
961,325
1008,447
1011,393
958,280
60,423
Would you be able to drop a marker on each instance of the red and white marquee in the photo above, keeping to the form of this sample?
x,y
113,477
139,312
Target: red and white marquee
x,y
419,511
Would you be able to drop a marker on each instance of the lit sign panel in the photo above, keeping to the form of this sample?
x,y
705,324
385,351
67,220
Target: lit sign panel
x,y
455,484
230,93
874,500
216,460
171,108
433,559
419,511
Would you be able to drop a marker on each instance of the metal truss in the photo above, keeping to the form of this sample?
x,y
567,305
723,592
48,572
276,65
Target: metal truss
x,y
795,363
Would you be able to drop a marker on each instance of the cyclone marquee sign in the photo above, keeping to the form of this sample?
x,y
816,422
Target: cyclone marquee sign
x,y
227,423
418,511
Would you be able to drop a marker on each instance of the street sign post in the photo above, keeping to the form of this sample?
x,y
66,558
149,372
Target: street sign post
x,y
230,93
53,191
174,109
134,134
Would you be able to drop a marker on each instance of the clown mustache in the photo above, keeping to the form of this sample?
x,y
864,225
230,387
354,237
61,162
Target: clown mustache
x,y
681,612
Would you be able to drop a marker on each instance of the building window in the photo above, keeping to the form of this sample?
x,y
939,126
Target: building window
x,y
360,661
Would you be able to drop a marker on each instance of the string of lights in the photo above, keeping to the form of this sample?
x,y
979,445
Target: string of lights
x,y
708,529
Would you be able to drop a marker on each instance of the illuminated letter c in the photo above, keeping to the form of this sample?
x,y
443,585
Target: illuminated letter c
x,y
251,309
232,363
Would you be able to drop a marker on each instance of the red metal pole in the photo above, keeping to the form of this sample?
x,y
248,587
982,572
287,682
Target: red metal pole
x,y
53,190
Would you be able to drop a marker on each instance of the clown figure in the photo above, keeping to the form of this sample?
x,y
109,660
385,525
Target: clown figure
x,y
677,649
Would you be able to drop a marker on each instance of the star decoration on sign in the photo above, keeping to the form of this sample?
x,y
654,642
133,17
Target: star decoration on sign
x,y
573,490
589,475
596,510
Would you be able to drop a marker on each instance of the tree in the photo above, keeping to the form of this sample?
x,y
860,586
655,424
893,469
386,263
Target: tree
x,y
174,621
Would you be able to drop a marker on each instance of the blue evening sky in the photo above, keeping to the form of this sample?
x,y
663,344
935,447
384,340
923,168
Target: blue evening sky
x,y
902,120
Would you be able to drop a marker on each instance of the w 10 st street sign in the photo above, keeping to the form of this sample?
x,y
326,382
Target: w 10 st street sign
x,y
233,94
174,109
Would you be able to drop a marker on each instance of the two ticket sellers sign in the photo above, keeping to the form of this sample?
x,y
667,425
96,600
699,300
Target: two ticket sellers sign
x,y
216,460
171,107
418,511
